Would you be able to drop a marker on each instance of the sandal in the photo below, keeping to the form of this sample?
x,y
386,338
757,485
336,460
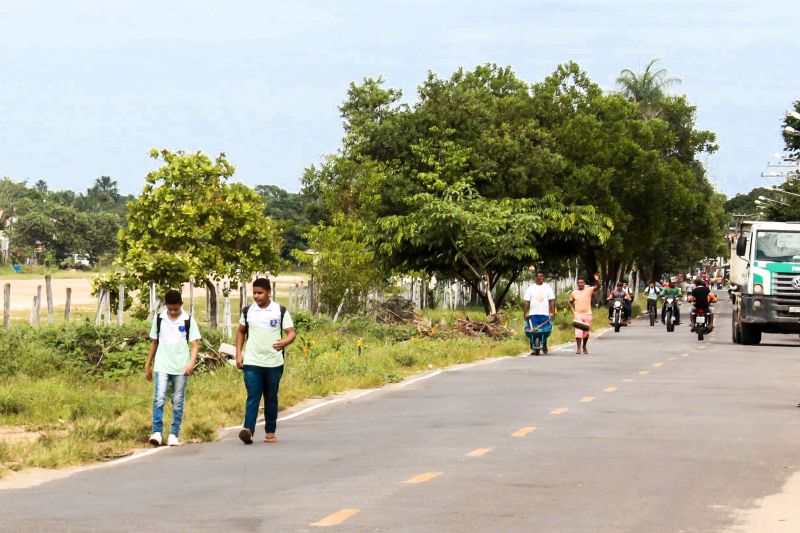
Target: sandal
x,y
585,351
270,438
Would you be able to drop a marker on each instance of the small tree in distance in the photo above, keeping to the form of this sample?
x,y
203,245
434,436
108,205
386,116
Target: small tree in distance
x,y
190,224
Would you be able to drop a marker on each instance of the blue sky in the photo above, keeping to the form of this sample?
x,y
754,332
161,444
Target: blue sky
x,y
89,86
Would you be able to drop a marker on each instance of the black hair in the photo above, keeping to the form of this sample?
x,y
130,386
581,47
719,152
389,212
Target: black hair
x,y
540,272
173,297
263,283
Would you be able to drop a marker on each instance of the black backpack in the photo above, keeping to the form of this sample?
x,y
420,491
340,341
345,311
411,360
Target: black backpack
x,y
187,323
246,308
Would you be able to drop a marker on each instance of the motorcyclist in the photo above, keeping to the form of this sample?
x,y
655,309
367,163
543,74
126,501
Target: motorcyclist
x,y
670,289
702,298
618,294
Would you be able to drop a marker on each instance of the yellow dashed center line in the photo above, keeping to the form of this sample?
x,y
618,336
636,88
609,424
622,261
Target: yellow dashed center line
x,y
672,358
684,355
610,389
521,432
559,411
658,364
336,518
644,372
422,478
478,452
628,380
587,399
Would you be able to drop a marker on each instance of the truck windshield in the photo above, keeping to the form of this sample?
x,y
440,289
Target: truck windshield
x,y
777,246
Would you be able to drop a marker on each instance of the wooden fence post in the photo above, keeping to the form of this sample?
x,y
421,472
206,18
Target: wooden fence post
x,y
107,308
48,282
38,318
191,298
152,313
226,315
121,303
242,296
7,305
99,313
68,305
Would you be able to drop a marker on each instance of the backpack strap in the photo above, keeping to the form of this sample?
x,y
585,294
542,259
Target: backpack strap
x,y
283,312
245,309
158,327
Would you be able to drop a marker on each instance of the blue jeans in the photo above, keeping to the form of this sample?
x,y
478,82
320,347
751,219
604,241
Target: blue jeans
x,y
262,381
162,381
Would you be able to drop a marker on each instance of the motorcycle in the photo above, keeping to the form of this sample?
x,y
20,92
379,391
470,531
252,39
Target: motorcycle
x,y
617,314
669,317
703,322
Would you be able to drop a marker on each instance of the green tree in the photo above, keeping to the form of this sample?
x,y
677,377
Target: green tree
x,y
189,223
646,88
289,211
344,265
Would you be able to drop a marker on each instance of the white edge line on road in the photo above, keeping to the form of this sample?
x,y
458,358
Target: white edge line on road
x,y
404,383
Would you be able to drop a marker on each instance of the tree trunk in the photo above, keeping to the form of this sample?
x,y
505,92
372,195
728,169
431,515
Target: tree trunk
x,y
212,305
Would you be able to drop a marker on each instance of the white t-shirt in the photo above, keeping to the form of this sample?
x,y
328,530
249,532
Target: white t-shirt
x,y
539,296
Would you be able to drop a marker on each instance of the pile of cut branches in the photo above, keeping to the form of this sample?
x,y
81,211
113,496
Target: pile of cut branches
x,y
396,310
493,327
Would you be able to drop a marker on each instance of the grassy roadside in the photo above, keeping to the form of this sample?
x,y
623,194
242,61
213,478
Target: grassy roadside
x,y
75,413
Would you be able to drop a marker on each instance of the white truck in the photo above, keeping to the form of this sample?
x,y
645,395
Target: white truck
x,y
765,269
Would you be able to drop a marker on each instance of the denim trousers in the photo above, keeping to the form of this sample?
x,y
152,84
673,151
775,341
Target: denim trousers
x,y
162,382
262,381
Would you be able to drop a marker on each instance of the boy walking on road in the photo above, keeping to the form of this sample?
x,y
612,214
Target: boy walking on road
x,y
580,301
260,330
172,333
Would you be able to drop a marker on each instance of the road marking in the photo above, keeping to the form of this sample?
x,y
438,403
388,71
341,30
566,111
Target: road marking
x,y
628,380
672,358
644,372
336,518
587,399
479,452
610,389
658,364
559,411
521,432
422,478
685,354
702,347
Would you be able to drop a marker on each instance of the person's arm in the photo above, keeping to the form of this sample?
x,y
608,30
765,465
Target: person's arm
x,y
148,373
571,302
525,306
239,346
280,344
552,308
195,347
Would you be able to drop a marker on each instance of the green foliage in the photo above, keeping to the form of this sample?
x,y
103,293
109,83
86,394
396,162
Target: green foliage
x,y
189,223
486,174
111,281
344,266
289,211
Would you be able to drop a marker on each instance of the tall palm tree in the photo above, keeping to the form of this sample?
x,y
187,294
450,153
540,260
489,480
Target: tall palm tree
x,y
646,88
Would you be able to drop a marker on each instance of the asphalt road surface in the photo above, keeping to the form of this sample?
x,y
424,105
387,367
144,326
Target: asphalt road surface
x,y
652,432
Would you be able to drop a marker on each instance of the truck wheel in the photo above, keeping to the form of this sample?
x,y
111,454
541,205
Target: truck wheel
x,y
749,335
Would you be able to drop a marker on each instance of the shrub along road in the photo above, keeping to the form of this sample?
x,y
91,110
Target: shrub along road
x,y
651,432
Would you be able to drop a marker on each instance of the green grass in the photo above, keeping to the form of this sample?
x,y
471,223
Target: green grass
x,y
83,415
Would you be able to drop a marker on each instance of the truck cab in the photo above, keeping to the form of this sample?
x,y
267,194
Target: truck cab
x,y
765,267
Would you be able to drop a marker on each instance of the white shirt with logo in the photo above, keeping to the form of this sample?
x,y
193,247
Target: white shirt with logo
x,y
539,297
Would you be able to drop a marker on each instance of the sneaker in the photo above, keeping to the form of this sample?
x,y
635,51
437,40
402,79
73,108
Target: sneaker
x,y
245,436
172,440
155,439
544,350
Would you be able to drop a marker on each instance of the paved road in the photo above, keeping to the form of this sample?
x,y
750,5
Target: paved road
x,y
652,432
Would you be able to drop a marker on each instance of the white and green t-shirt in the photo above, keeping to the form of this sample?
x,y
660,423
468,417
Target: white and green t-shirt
x,y
264,328
172,354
